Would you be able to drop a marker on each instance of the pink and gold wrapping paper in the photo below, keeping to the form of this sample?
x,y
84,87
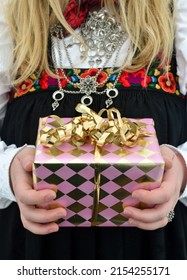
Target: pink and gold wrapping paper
x,y
93,191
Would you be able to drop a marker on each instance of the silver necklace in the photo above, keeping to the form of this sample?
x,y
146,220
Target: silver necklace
x,y
89,84
102,34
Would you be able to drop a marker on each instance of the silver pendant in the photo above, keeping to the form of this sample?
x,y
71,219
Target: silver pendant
x,y
88,85
87,100
57,96
111,93
108,102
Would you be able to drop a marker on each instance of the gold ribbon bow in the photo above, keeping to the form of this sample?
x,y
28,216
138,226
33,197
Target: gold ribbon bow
x,y
91,127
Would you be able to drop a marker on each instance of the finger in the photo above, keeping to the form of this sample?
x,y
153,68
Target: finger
x,y
33,197
156,196
40,229
18,173
149,226
168,156
26,158
147,215
38,215
25,193
23,188
160,195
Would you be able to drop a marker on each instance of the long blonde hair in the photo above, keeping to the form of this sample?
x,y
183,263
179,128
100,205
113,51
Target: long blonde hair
x,y
149,24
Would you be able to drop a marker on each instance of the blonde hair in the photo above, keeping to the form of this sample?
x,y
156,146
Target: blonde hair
x,y
149,24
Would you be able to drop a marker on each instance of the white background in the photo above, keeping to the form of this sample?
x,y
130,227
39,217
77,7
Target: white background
x,y
177,269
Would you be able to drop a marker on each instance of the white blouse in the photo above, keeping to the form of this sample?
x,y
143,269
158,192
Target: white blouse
x,y
6,45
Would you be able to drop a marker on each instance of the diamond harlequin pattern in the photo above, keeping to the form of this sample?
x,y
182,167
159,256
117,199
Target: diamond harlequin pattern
x,y
122,170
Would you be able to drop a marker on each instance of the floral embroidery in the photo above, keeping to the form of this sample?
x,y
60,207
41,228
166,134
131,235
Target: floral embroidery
x,y
93,72
154,78
44,81
137,78
47,81
24,87
167,82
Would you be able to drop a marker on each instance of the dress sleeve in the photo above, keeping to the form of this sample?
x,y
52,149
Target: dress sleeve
x,y
6,153
6,59
6,156
181,43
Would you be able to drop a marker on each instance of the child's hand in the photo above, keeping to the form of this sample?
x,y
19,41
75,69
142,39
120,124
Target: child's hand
x,y
164,198
38,221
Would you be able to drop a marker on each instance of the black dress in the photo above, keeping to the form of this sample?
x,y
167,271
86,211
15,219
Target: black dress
x,y
167,108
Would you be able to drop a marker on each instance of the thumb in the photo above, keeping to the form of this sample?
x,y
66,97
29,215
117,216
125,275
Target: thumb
x,y
168,156
26,158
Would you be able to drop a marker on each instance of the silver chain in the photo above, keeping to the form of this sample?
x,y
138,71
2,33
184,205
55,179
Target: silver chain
x,y
102,34
59,34
89,84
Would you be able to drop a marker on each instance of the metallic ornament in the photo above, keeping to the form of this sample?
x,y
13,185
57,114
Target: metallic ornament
x,y
170,216
57,96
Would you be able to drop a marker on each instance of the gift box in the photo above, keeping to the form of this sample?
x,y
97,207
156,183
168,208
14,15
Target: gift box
x,y
96,164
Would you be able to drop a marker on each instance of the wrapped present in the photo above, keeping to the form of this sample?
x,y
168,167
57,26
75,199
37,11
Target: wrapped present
x,y
96,164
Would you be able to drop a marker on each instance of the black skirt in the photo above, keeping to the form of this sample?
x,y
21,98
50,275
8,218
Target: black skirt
x,y
170,242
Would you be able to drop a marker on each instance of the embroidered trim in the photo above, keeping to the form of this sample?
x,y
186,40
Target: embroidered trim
x,y
156,78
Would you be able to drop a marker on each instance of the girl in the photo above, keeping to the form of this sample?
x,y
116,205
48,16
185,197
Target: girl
x,y
55,54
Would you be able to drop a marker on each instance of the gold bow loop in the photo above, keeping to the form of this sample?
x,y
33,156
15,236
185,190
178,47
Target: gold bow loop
x,y
91,126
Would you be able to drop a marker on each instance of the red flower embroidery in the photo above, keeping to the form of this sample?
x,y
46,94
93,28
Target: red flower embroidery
x,y
44,80
102,77
63,82
123,79
167,82
24,87
93,72
47,80
90,72
136,78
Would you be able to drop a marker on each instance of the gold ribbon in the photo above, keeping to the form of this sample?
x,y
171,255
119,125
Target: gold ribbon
x,y
91,127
